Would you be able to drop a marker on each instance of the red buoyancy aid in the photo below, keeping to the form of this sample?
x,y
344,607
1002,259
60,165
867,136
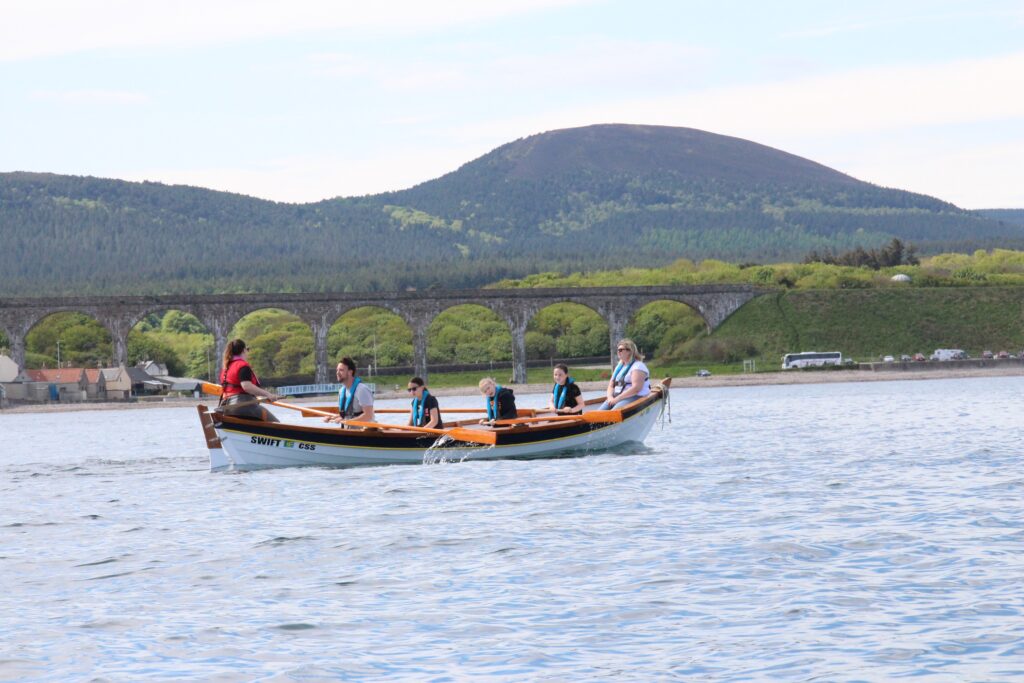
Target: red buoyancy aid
x,y
229,377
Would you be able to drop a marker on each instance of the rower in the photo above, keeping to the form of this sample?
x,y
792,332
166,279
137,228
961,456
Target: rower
x,y
355,400
630,379
424,411
566,398
499,401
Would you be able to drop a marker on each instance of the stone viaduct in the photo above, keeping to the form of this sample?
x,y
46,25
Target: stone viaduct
x,y
219,312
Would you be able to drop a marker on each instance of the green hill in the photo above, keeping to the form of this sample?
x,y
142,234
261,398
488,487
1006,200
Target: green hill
x,y
868,323
598,197
1013,216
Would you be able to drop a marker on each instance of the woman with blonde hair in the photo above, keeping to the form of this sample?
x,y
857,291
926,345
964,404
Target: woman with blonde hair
x,y
630,379
500,401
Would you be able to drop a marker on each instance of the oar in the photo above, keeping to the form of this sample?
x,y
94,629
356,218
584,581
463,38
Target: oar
x,y
212,389
592,417
457,433
523,412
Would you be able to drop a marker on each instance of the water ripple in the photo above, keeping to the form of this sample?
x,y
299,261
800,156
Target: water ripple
x,y
877,536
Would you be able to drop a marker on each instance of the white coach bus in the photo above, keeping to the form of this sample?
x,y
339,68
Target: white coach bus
x,y
811,359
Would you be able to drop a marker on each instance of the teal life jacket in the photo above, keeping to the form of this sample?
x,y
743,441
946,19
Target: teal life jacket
x,y
492,403
345,398
619,379
558,398
418,405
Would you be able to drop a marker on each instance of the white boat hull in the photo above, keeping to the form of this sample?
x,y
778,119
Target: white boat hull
x,y
244,444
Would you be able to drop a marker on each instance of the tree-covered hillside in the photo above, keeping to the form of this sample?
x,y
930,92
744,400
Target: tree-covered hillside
x,y
580,199
1015,216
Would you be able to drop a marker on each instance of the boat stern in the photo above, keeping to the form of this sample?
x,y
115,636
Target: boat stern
x,y
218,458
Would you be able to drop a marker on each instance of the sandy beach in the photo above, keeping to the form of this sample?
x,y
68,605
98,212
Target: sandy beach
x,y
740,380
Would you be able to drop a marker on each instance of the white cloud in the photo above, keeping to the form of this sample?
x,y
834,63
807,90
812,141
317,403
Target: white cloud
x,y
598,60
120,97
878,99
576,63
312,178
829,30
972,177
861,100
887,19
53,27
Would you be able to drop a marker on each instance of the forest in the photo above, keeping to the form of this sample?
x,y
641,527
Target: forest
x,y
591,199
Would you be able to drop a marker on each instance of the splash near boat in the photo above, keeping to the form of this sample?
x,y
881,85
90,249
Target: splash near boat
x,y
240,444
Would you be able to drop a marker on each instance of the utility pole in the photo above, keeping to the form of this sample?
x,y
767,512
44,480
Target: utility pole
x,y
374,351
58,354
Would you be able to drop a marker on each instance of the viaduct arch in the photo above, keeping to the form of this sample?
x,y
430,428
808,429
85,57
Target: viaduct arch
x,y
219,312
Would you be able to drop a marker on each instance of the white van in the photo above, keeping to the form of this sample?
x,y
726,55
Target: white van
x,y
948,354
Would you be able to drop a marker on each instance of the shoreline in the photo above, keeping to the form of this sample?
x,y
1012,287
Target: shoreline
x,y
689,382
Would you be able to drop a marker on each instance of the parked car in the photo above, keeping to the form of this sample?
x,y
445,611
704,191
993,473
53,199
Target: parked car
x,y
1003,355
904,357
987,355
888,359
919,356
703,373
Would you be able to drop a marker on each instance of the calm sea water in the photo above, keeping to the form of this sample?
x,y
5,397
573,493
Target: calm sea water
x,y
832,532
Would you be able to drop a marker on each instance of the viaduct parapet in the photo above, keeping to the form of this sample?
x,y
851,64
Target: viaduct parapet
x,y
220,312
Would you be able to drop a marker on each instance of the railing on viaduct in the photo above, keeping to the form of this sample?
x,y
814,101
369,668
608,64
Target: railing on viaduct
x,y
220,312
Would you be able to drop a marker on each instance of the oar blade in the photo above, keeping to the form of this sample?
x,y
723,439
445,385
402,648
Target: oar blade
x,y
602,416
456,433
473,436
212,389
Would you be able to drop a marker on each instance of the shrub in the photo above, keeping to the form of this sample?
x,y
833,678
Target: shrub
x,y
719,350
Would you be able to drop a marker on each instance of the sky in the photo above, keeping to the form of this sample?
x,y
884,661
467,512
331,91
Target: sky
x,y
310,99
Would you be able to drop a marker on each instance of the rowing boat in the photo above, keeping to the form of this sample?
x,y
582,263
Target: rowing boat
x,y
240,444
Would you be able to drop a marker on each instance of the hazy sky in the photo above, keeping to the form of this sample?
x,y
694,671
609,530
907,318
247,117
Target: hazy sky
x,y
308,99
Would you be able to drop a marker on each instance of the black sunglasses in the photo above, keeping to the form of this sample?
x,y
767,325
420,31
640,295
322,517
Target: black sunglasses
x,y
411,389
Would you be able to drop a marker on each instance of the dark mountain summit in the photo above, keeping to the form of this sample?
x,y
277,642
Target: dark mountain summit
x,y
647,151
596,197
673,159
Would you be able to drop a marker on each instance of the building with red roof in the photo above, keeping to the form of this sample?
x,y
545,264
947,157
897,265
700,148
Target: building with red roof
x,y
57,384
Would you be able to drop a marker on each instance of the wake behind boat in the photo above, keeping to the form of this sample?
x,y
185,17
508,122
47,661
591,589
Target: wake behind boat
x,y
240,444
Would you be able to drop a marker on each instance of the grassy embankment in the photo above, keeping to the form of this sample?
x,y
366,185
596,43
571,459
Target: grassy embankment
x,y
868,323
863,323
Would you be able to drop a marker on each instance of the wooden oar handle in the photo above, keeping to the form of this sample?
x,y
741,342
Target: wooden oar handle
x,y
313,411
522,412
545,418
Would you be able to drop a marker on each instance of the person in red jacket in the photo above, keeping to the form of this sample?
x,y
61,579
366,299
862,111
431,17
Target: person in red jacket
x,y
242,389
